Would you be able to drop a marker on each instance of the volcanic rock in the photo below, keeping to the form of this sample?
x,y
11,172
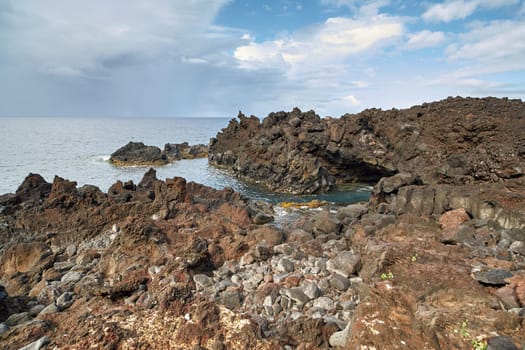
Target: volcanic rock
x,y
457,140
139,154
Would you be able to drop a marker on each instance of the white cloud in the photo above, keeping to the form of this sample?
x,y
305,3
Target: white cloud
x,y
352,100
497,42
75,39
449,11
332,42
460,9
424,39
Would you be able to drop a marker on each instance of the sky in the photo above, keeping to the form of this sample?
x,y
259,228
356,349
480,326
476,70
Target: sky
x,y
212,58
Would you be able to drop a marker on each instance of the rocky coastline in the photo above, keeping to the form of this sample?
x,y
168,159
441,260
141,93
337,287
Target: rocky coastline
x,y
455,141
435,259
139,154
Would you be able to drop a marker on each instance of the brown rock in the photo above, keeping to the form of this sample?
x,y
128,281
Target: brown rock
x,y
450,222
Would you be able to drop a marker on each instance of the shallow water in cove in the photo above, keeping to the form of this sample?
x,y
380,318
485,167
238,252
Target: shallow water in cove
x,y
78,149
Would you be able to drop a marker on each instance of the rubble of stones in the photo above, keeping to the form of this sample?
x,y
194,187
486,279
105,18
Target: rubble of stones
x,y
139,154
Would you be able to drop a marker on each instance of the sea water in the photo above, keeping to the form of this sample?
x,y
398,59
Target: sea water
x,y
78,149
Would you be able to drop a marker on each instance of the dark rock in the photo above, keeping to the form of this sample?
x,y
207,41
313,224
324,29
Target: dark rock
x,y
352,211
262,218
501,343
177,151
345,263
137,153
18,319
231,299
493,277
339,282
325,223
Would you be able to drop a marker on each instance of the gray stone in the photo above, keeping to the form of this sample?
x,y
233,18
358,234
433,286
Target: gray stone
x,y
285,302
324,303
339,282
3,328
35,310
63,266
340,338
284,248
256,278
202,281
369,229
285,265
393,183
276,307
324,283
64,301
231,299
36,345
352,211
237,280
504,244
348,305
279,277
311,290
146,300
345,263
296,315
72,276
71,249
262,218
268,300
385,221
324,223
222,285
296,294
517,247
50,309
492,277
501,343
16,319
300,235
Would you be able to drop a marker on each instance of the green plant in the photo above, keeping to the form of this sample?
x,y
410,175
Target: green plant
x,y
476,344
413,258
479,344
387,276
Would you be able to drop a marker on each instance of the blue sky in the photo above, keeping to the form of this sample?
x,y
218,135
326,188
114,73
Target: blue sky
x,y
216,57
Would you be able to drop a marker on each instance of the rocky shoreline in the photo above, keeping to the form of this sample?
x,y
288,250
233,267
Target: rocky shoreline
x,y
139,154
435,259
455,141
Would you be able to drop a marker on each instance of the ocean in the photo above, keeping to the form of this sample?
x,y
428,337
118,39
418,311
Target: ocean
x,y
78,149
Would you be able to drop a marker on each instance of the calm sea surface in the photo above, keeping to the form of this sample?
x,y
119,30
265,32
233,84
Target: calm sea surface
x,y
78,149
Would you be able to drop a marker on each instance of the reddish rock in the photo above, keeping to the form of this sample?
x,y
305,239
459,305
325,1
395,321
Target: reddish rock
x,y
517,282
450,222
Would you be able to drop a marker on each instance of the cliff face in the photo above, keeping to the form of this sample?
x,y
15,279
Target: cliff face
x,y
457,140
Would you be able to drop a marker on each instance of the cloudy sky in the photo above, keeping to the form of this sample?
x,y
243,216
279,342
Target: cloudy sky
x,y
216,57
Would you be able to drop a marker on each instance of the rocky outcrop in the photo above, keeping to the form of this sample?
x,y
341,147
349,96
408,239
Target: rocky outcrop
x,y
435,259
453,141
138,154
172,264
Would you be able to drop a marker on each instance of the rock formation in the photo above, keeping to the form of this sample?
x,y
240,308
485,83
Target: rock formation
x,y
435,259
455,141
138,154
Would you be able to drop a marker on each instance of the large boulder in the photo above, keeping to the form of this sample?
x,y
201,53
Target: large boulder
x,y
137,153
